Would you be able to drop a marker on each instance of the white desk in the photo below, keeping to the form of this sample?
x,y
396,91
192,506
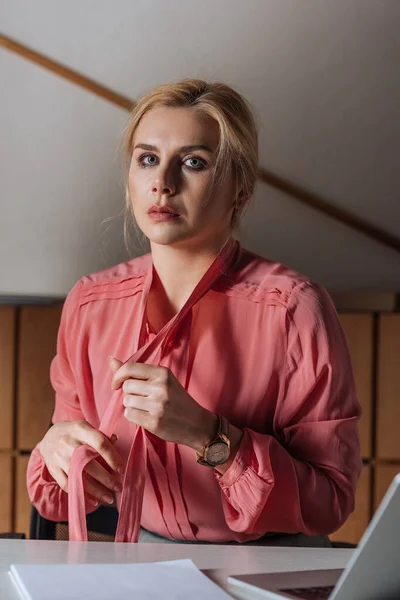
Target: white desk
x,y
217,561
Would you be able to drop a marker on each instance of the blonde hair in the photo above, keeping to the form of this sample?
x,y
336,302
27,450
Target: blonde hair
x,y
237,153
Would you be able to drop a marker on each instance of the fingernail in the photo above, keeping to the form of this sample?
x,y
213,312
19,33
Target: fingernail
x,y
117,487
121,469
109,499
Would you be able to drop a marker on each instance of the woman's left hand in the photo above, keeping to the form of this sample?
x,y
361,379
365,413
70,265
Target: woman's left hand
x,y
155,400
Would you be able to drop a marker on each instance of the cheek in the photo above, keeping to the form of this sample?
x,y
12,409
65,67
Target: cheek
x,y
197,190
139,185
132,185
219,205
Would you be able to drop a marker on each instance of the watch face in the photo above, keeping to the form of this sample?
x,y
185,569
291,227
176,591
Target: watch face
x,y
217,453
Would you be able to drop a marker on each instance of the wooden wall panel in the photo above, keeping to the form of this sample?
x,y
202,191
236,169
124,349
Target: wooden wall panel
x,y
388,408
383,478
6,493
356,524
358,329
35,397
22,502
7,359
38,327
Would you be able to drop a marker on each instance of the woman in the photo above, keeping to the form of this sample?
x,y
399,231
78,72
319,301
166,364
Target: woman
x,y
233,370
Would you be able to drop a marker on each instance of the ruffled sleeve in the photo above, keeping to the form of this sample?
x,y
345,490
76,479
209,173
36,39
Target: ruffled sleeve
x,y
303,478
44,493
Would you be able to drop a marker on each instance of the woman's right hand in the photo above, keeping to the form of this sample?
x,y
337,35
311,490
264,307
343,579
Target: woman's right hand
x,y
60,442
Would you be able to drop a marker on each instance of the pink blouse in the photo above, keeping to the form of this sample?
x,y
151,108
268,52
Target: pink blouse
x,y
264,347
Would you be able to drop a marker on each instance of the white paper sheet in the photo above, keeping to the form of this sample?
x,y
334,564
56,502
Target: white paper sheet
x,y
170,580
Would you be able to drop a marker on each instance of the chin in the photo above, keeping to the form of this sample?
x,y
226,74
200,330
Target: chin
x,y
165,236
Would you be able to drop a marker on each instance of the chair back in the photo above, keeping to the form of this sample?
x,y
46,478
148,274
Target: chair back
x,y
101,525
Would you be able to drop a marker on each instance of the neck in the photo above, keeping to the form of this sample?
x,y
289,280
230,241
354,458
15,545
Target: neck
x,y
180,268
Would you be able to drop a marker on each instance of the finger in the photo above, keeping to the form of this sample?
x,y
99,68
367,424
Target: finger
x,y
97,472
139,417
96,490
92,468
62,461
138,387
114,363
102,445
90,501
138,402
133,370
60,477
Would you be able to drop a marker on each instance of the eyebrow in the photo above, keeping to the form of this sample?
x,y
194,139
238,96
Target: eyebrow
x,y
191,148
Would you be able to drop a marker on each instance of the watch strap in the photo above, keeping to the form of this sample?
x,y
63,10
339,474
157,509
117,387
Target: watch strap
x,y
223,427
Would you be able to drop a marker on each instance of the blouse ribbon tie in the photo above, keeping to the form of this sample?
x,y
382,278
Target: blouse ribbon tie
x,y
133,486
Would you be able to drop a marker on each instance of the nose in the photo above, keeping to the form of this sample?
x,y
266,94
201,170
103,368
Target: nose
x,y
163,185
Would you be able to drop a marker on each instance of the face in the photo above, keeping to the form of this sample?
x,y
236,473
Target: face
x,y
171,179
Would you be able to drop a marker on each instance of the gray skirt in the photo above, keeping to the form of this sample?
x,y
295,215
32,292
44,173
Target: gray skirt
x,y
270,539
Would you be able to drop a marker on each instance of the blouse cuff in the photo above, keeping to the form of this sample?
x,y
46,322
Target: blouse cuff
x,y
239,463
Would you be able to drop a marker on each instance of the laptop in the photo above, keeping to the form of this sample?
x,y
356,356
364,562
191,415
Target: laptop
x,y
372,573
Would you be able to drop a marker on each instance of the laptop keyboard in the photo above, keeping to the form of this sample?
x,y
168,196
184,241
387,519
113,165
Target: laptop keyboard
x,y
311,593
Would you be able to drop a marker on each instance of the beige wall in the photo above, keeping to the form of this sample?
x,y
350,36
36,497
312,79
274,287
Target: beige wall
x,y
322,77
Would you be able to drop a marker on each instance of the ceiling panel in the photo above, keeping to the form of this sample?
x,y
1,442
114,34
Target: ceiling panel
x,y
59,181
322,79
281,229
322,76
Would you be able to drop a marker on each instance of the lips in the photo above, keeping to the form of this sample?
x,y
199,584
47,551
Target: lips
x,y
163,214
154,210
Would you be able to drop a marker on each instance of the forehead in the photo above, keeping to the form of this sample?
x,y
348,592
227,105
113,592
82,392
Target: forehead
x,y
177,126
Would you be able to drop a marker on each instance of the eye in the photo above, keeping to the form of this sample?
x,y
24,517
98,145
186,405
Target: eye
x,y
196,163
147,160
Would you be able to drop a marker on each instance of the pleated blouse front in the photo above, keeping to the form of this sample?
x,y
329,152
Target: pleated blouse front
x,y
264,347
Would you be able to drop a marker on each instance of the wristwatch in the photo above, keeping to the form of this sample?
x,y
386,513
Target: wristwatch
x,y
218,450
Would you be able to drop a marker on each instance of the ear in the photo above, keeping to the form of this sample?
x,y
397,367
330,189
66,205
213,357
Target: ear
x,y
241,201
